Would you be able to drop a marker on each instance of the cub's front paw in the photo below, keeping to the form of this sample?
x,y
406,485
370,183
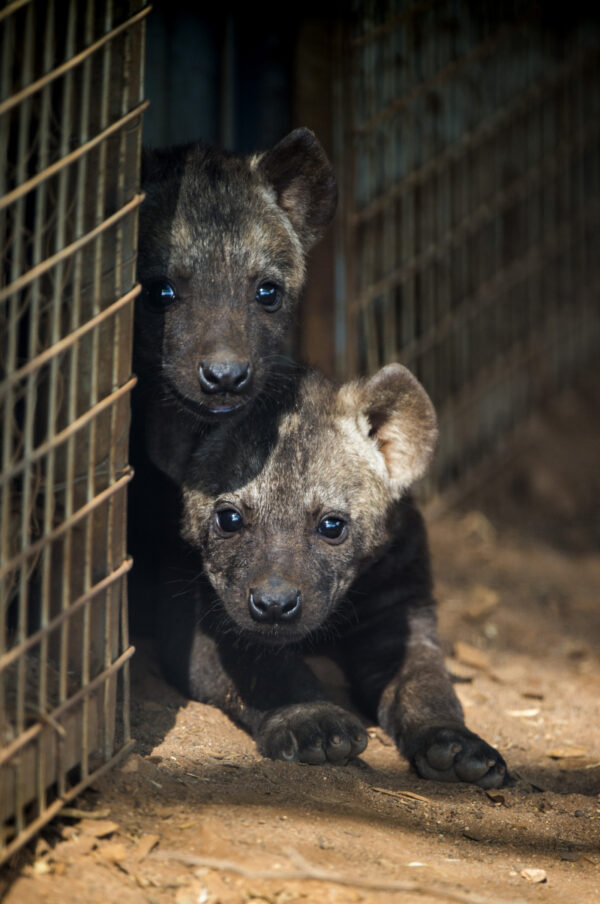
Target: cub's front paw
x,y
311,733
459,755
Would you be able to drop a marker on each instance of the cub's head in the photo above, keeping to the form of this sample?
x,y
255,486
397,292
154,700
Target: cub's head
x,y
222,249
287,513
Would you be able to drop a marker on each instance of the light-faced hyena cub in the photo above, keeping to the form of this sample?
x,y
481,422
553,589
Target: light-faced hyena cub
x,y
308,539
222,252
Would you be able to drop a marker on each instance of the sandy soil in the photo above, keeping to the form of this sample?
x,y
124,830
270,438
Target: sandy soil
x,y
195,816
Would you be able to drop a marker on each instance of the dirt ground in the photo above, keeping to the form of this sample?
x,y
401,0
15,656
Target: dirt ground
x,y
195,816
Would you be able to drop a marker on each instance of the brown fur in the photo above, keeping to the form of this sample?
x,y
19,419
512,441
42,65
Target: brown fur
x,y
278,583
215,227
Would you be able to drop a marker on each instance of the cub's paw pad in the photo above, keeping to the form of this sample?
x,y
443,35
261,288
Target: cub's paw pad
x,y
311,733
459,755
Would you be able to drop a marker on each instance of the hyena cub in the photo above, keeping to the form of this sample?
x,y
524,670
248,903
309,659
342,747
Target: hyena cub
x,y
222,251
309,540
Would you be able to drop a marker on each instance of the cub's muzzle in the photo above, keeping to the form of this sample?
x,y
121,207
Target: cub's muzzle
x,y
224,376
277,602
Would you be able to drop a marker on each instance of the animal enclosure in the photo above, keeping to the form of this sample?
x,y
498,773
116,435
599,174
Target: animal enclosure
x,y
70,141
469,145
466,143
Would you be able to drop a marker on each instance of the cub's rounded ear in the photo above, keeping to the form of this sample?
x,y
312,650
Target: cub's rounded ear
x,y
400,419
304,181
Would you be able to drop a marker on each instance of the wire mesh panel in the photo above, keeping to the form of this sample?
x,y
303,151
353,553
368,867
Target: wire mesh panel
x,y
70,127
471,202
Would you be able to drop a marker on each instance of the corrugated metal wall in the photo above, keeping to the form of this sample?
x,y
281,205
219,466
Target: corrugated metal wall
x,y
469,143
71,102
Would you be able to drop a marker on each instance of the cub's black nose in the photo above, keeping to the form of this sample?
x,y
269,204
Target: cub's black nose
x,y
224,376
272,604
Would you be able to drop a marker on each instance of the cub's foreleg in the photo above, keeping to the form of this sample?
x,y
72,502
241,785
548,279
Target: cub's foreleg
x,y
396,668
419,709
270,691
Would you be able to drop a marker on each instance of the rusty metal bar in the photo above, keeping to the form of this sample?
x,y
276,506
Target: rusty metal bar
x,y
70,218
450,71
471,198
392,23
485,131
60,347
513,436
553,330
7,658
97,201
72,63
57,532
408,246
54,808
35,317
12,8
71,249
60,438
504,280
25,737
479,216
115,510
75,155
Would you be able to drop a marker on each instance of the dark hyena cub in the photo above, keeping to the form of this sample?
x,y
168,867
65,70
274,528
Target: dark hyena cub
x,y
222,251
308,538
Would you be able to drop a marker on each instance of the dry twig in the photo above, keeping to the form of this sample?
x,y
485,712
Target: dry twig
x,y
75,813
401,795
305,870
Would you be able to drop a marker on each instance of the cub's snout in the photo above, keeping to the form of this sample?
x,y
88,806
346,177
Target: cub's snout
x,y
227,375
275,601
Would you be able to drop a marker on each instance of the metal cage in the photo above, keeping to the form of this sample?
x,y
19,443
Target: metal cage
x,y
71,102
469,139
466,138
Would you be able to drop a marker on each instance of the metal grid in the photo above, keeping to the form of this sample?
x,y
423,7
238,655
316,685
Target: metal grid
x,y
469,138
70,131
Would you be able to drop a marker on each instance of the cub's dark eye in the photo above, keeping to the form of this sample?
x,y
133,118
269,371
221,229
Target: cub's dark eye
x,y
332,529
229,520
159,294
269,296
